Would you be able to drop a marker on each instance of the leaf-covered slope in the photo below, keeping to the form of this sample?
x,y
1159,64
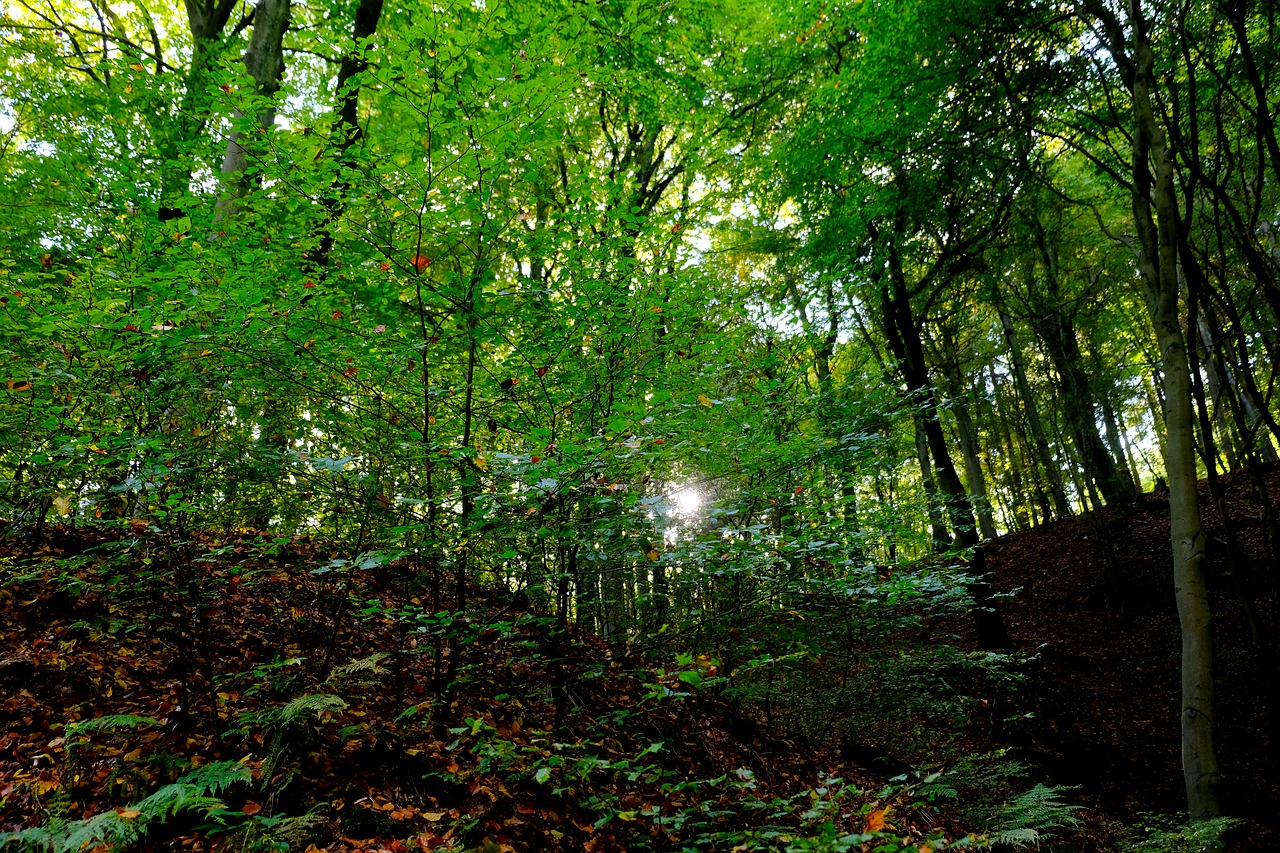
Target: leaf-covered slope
x,y
367,713
1094,595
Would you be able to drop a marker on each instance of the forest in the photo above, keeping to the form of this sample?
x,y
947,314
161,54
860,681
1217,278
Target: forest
x,y
639,425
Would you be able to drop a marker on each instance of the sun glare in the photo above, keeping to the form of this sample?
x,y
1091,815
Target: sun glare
x,y
687,501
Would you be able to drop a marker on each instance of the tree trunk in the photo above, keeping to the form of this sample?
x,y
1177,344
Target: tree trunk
x,y
264,60
1057,330
974,477
1158,265
933,502
905,341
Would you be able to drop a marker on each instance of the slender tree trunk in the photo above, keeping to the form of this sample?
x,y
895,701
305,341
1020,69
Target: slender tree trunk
x,y
1057,330
1158,266
348,130
906,343
975,478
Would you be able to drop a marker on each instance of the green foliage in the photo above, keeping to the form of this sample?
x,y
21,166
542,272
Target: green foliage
x,y
119,828
663,319
1151,833
988,791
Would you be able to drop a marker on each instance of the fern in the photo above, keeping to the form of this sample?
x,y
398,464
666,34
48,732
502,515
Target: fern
x,y
120,828
1028,818
216,777
1160,834
364,666
110,722
1021,837
281,833
311,705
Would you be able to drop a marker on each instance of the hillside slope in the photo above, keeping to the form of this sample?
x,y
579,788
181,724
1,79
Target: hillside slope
x,y
1094,595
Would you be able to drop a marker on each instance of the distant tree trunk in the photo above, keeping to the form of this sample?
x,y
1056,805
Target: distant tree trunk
x,y
1115,441
1039,439
1056,330
933,501
348,130
961,398
905,341
205,23
1023,508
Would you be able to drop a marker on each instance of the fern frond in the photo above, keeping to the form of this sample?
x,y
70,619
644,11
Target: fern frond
x,y
217,777
1027,819
110,722
311,705
295,831
1024,837
368,665
36,838
118,829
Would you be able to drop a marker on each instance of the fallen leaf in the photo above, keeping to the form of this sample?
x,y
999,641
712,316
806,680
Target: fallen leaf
x,y
251,808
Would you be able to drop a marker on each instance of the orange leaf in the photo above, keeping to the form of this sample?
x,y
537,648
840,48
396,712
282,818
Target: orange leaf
x,y
875,821
421,262
251,808
128,814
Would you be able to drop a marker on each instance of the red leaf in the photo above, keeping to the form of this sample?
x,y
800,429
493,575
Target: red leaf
x,y
251,808
541,371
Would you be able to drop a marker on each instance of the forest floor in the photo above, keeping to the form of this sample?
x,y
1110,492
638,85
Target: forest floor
x,y
365,714
1093,597
347,709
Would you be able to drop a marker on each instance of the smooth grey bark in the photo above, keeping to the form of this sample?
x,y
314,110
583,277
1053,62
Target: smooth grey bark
x,y
264,60
1155,214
